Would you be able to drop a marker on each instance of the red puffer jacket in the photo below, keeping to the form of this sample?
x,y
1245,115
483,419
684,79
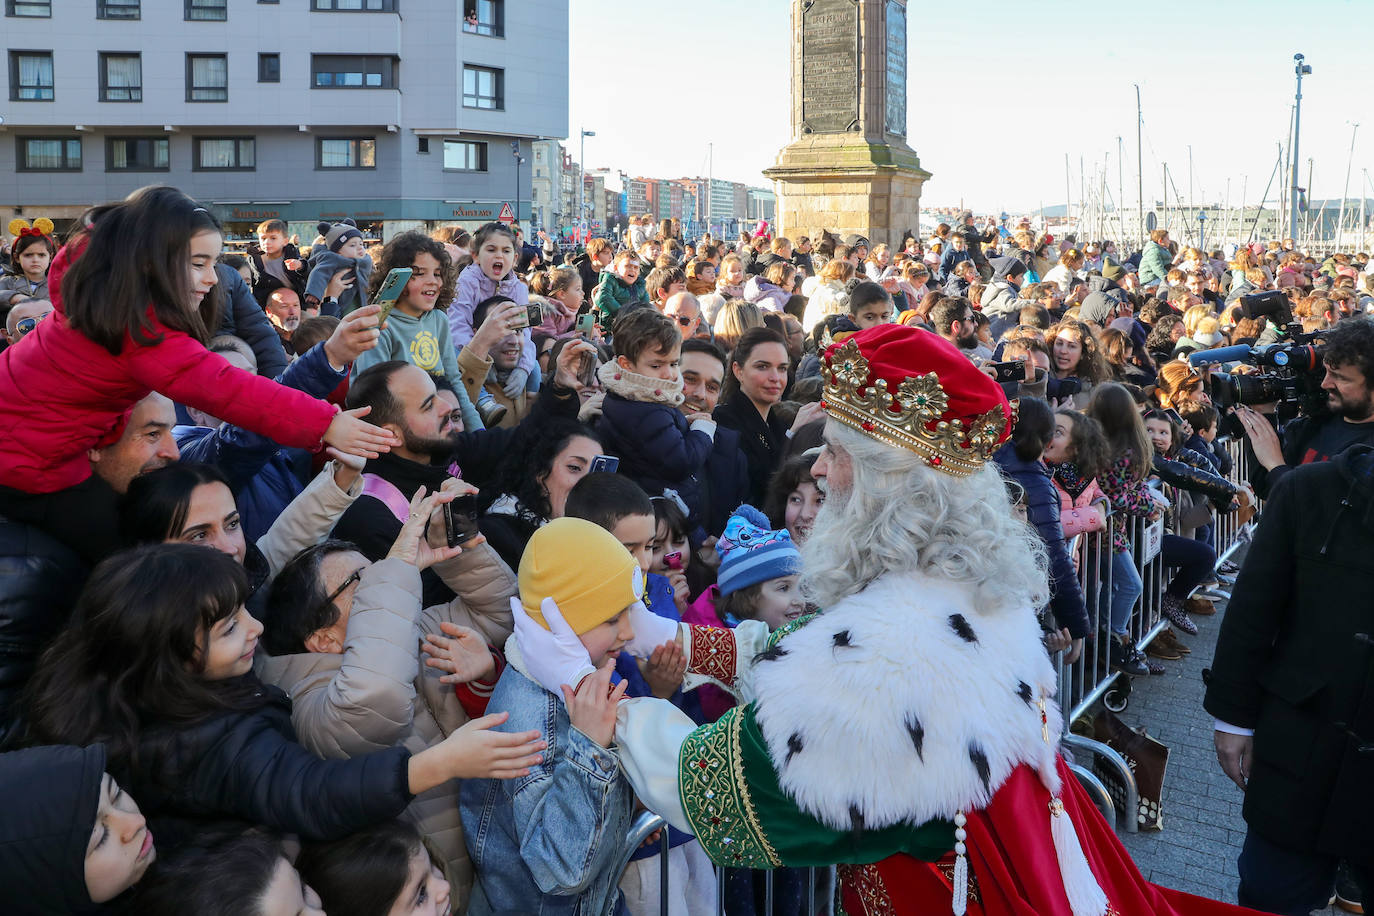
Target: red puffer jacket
x,y
62,394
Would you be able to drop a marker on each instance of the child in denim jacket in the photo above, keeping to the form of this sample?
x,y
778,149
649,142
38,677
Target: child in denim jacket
x,y
553,841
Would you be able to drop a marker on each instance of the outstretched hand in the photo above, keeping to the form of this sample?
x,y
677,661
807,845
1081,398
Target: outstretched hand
x,y
664,669
411,544
348,432
461,652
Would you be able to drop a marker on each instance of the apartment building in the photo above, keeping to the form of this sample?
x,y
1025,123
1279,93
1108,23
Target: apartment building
x,y
397,113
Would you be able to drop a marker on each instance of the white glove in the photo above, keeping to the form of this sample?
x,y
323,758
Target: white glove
x,y
555,656
515,382
651,631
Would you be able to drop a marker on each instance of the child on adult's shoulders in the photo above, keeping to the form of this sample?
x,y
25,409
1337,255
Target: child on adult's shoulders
x,y
344,250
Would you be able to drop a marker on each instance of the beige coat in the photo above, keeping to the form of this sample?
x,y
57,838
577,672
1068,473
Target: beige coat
x,y
379,693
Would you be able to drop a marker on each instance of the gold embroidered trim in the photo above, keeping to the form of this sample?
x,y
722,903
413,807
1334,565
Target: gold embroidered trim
x,y
714,653
867,884
716,799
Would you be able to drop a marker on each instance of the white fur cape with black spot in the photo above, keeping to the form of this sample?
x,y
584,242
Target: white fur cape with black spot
x,y
903,704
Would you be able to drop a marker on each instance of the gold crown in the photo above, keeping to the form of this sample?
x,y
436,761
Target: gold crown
x,y
905,419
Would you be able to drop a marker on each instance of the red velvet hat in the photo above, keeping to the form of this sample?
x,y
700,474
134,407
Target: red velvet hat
x,y
914,389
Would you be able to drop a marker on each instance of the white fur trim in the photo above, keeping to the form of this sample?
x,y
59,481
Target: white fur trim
x,y
852,707
635,387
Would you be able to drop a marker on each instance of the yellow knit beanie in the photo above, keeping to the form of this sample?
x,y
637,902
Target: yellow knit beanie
x,y
583,568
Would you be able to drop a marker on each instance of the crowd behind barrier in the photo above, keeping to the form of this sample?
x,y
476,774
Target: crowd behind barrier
x,y
391,451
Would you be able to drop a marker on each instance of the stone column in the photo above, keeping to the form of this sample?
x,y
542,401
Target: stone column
x,y
848,168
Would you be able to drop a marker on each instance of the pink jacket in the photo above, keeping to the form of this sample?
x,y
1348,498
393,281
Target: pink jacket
x,y
62,394
1082,515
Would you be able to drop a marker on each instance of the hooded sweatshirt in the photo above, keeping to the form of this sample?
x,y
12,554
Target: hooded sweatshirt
x,y
51,797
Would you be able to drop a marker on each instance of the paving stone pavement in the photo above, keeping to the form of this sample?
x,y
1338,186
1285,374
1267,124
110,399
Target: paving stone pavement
x,y
1203,829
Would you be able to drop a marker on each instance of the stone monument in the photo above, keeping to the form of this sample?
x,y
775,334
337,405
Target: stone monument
x,y
848,168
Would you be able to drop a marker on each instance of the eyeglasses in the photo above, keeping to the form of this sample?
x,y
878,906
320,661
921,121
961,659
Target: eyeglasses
x,y
25,325
333,596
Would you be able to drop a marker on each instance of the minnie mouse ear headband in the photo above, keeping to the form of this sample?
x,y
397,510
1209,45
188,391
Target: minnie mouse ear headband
x,y
336,235
41,227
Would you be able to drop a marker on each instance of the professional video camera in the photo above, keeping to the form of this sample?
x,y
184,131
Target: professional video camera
x,y
1292,369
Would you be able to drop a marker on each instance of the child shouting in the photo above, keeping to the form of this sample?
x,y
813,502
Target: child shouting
x,y
552,841
492,273
659,448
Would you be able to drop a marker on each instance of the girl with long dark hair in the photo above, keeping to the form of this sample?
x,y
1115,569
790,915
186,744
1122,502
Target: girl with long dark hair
x,y
136,297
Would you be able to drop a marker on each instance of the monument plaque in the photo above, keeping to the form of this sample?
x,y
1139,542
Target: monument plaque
x,y
896,68
830,66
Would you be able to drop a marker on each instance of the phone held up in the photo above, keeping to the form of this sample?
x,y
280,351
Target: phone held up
x,y
460,520
607,463
390,293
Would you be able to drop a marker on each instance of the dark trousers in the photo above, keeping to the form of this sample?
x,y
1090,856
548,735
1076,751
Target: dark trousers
x,y
84,517
1194,559
1278,880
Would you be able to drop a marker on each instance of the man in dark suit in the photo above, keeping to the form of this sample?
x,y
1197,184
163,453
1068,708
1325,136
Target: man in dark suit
x,y
1292,687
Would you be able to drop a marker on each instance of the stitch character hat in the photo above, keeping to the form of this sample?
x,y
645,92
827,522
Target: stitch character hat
x,y
751,552
583,568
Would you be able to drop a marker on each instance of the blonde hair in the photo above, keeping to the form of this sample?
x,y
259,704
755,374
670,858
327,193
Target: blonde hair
x,y
735,317
1195,314
901,515
838,269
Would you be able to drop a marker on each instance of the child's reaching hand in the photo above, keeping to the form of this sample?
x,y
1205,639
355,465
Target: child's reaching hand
x,y
591,710
664,669
682,594
461,651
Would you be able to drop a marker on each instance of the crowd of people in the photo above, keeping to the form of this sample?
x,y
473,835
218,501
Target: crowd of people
x,y
276,525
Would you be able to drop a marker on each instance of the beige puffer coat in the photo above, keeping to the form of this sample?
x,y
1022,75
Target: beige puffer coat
x,y
378,693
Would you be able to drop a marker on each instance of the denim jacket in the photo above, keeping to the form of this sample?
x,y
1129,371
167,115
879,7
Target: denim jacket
x,y
550,842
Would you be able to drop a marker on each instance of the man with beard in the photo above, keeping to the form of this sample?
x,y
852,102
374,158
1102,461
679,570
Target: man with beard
x,y
434,448
908,731
284,311
1349,386
723,482
953,320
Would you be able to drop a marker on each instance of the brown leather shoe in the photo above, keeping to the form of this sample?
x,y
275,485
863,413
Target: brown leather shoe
x,y
1159,648
1170,638
1200,607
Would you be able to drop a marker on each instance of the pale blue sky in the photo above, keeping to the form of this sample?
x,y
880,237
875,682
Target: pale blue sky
x,y
998,92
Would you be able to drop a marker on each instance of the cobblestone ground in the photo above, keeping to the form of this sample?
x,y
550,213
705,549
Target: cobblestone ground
x,y
1203,830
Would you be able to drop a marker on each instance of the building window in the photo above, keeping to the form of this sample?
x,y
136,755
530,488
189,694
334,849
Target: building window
x,y
121,77
207,78
49,154
346,153
207,10
485,17
269,68
137,154
465,156
31,76
354,6
118,9
483,87
40,9
225,153
352,71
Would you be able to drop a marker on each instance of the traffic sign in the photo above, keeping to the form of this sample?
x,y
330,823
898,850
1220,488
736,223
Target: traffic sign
x,y
507,214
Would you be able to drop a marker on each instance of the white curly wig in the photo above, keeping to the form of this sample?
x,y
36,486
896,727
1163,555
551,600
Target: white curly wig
x,y
902,515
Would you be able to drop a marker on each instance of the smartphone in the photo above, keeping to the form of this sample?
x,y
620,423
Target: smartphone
x,y
673,560
586,324
1174,416
460,520
390,293
607,463
534,316
1014,371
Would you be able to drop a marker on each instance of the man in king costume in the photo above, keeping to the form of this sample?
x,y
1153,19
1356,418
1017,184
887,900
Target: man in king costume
x,y
908,731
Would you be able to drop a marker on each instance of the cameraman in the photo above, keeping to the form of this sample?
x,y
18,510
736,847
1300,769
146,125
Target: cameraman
x,y
1349,386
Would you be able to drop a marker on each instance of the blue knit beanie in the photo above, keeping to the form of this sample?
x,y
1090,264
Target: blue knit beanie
x,y
751,552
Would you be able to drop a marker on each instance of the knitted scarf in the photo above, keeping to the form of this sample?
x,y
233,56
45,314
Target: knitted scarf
x,y
634,387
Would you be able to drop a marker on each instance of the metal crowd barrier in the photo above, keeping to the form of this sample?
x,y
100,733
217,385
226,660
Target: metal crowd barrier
x,y
646,824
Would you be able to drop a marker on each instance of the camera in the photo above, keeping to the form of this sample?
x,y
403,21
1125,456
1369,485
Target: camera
x,y
1292,379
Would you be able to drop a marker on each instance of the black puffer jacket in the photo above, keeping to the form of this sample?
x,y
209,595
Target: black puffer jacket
x,y
1042,511
1188,470
51,795
39,582
1294,660
247,767
245,319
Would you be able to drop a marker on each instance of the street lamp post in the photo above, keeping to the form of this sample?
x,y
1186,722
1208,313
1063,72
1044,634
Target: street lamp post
x,y
582,186
1202,230
519,161
1301,70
